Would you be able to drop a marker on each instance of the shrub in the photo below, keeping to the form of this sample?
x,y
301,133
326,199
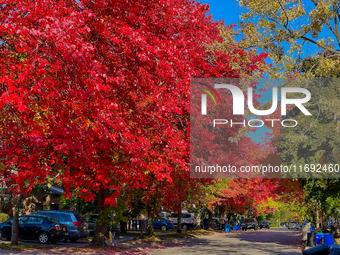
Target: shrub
x,y
4,217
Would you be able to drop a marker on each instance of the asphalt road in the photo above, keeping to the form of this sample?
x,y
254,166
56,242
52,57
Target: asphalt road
x,y
261,242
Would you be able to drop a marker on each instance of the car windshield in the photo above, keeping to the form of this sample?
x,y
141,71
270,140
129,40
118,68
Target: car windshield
x,y
249,220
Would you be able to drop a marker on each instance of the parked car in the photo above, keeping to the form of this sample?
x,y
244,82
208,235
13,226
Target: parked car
x,y
264,224
92,223
32,227
162,223
77,225
293,224
187,219
250,224
216,222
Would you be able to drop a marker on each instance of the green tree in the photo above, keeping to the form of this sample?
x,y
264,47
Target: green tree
x,y
291,30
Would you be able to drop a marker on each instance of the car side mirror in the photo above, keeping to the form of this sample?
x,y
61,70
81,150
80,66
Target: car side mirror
x,y
9,223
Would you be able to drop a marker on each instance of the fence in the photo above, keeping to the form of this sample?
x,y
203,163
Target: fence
x,y
136,225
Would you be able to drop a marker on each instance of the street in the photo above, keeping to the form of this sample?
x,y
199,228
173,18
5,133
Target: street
x,y
274,241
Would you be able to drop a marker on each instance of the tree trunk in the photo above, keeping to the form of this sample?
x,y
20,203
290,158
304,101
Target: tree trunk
x,y
15,224
47,203
222,212
316,215
324,223
179,221
229,217
151,217
198,218
336,224
123,227
99,238
210,219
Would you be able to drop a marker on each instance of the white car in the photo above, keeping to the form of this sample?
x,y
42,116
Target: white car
x,y
293,224
187,220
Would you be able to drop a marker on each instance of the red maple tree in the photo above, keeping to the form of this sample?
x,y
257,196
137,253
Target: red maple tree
x,y
95,95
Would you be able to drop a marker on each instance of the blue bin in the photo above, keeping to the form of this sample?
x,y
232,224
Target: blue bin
x,y
318,237
227,228
328,239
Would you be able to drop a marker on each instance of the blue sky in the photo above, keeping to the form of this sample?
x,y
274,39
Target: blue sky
x,y
230,12
224,9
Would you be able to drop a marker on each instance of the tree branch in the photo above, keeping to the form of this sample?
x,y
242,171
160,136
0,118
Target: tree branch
x,y
335,10
321,46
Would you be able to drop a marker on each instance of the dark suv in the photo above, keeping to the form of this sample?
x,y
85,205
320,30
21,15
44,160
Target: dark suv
x,y
76,225
264,224
250,224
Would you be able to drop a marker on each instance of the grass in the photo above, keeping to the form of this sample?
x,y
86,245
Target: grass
x,y
128,234
149,239
105,250
162,231
24,247
173,236
201,231
193,233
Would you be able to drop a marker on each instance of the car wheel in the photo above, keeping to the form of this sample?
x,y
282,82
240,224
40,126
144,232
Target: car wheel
x,y
43,238
164,228
73,240
185,227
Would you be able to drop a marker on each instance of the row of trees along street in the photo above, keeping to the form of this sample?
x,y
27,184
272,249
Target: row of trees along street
x,y
95,98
